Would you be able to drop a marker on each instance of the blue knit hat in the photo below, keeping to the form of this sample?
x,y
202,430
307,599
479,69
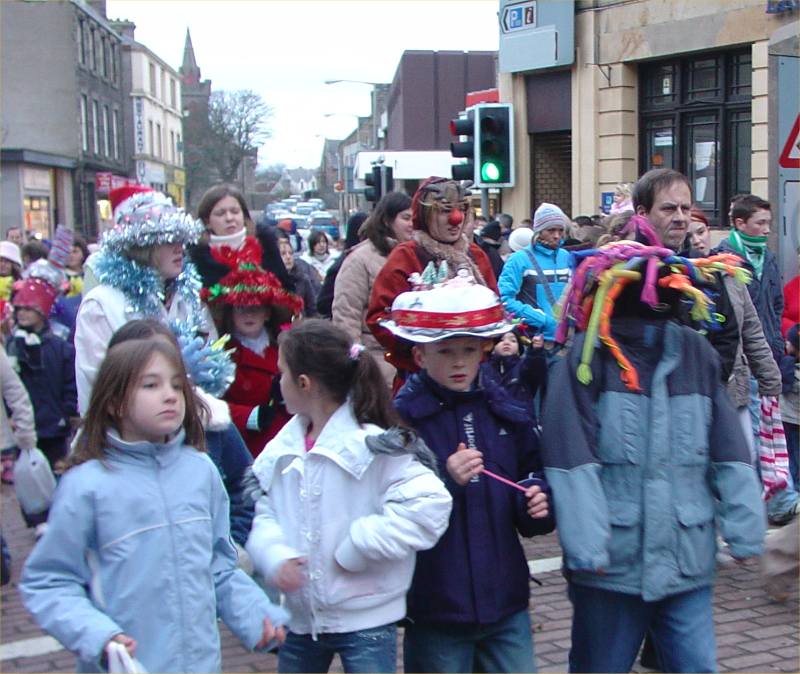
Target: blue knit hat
x,y
548,216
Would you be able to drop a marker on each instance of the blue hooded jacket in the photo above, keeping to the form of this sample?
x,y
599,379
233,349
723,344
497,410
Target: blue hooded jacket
x,y
477,572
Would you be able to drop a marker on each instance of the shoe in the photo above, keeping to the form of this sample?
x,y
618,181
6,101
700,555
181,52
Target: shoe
x,y
40,530
784,518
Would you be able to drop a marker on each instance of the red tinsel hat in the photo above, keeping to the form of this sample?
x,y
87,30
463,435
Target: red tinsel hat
x,y
35,293
247,283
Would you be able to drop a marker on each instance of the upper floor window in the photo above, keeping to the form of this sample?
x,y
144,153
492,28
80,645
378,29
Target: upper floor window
x,y
695,116
153,80
172,96
81,42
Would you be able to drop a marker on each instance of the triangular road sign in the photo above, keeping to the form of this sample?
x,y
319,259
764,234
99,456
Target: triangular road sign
x,y
790,156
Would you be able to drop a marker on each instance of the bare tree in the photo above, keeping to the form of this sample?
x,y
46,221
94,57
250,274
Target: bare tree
x,y
238,126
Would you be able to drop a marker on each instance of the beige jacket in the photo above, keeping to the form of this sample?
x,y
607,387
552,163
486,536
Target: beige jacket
x,y
351,299
15,396
753,354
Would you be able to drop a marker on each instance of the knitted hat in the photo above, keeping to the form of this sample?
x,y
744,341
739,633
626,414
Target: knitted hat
x,y
146,218
456,308
491,231
35,293
52,269
10,251
438,194
247,284
519,238
548,216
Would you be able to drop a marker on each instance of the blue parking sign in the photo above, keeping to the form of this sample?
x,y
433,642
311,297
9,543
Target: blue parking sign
x,y
515,17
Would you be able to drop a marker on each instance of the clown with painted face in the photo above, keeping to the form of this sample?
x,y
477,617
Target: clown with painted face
x,y
438,250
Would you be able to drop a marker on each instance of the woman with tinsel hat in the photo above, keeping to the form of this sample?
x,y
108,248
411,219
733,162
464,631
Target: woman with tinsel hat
x,y
253,305
439,249
142,273
645,455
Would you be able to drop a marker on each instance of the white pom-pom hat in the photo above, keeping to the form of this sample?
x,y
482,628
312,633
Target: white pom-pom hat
x,y
456,308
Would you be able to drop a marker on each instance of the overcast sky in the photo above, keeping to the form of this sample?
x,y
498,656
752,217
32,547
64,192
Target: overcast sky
x,y
286,49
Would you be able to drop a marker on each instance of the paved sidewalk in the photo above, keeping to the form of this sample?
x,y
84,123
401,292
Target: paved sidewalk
x,y
754,633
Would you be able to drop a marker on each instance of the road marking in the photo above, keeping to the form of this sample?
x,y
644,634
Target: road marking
x,y
29,648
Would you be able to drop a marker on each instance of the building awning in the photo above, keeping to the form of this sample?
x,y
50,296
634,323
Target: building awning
x,y
405,164
38,158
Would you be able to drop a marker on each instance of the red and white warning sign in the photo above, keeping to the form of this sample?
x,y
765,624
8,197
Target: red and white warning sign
x,y
790,155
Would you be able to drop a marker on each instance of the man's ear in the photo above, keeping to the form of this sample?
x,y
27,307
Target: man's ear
x,y
418,351
738,222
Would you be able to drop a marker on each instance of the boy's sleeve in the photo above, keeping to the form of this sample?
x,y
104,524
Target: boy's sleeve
x,y
740,510
414,514
56,575
571,465
530,467
241,603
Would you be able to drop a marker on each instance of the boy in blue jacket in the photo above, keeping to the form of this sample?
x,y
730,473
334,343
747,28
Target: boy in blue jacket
x,y
468,603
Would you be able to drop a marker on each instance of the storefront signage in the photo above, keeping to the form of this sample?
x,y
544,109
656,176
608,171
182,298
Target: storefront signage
x,y
536,34
138,124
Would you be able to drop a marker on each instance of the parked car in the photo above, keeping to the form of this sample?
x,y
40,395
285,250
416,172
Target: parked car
x,y
305,208
326,222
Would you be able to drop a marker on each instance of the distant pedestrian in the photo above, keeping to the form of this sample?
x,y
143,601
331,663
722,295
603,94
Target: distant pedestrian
x,y
138,550
319,254
10,267
489,239
14,235
304,277
351,240
345,504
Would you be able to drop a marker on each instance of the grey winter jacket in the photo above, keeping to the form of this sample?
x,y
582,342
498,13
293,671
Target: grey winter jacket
x,y
753,354
640,478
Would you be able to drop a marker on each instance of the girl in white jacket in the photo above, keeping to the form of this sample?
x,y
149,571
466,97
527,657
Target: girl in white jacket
x,y
342,506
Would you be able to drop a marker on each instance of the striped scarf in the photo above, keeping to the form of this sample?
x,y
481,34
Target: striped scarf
x,y
753,248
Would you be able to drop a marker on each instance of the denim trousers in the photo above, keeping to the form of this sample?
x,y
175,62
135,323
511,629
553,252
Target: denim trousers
x,y
608,627
370,650
504,646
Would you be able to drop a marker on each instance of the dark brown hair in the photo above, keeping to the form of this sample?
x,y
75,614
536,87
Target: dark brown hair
x,y
213,194
112,391
645,189
316,236
744,205
378,226
321,351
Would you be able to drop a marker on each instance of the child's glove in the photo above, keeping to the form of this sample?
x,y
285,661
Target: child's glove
x,y
262,416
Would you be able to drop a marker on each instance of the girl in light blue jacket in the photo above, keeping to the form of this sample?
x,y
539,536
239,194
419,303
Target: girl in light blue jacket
x,y
138,548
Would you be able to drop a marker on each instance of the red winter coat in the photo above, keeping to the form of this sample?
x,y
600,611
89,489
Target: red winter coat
x,y
791,305
404,260
251,388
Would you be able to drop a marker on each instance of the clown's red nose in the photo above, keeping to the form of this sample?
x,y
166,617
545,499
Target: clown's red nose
x,y
456,217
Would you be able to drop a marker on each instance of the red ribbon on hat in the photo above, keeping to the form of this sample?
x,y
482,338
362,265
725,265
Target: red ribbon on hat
x,y
463,319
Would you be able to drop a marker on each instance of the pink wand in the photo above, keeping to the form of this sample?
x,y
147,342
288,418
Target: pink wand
x,y
503,480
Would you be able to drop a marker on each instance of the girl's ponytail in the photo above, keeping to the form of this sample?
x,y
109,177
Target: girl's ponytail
x,y
322,351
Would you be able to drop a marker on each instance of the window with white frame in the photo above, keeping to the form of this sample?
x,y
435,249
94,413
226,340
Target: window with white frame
x,y
96,126
115,133
106,132
84,123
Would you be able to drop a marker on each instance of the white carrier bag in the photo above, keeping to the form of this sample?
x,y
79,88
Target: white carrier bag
x,y
34,482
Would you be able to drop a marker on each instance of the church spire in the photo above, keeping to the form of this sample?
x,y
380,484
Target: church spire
x,y
190,72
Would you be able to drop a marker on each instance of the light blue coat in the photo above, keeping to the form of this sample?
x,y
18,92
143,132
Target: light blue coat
x,y
147,533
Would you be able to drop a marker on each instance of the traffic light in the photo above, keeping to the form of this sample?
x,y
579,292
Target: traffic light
x,y
373,180
494,145
464,125
380,181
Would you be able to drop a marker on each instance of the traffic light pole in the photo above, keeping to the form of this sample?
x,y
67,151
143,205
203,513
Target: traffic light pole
x,y
485,202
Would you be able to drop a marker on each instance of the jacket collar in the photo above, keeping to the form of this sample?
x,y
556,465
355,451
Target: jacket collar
x,y
137,452
537,247
341,441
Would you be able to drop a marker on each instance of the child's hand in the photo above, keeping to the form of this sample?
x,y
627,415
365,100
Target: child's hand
x,y
464,464
291,575
126,641
270,633
537,341
538,506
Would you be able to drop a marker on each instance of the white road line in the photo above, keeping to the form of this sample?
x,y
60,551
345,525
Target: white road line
x,y
29,648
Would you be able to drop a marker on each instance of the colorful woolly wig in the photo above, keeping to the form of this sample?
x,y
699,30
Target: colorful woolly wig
x,y
602,275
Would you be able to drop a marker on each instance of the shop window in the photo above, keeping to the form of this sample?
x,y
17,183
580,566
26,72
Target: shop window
x,y
37,214
695,116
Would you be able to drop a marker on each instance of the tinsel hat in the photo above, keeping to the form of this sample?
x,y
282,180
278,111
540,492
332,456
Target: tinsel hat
x,y
247,283
145,218
437,309
35,293
652,278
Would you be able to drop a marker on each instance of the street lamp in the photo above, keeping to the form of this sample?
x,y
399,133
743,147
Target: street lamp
x,y
374,84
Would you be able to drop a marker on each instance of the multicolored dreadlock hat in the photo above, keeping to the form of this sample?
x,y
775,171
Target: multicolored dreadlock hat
x,y
247,283
601,275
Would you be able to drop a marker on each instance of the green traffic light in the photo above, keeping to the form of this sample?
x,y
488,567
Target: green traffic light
x,y
490,171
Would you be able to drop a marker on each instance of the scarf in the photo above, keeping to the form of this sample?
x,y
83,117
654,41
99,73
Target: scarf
x,y
234,241
455,254
753,248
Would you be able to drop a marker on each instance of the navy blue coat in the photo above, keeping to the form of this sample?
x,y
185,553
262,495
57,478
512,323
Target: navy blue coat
x,y
48,372
477,572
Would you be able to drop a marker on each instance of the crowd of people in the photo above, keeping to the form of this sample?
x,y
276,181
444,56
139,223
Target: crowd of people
x,y
318,445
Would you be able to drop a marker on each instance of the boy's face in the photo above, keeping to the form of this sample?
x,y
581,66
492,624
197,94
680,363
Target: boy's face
x,y
29,318
452,363
507,346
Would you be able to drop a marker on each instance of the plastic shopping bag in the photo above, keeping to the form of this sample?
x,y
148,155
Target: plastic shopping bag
x,y
773,456
120,661
34,482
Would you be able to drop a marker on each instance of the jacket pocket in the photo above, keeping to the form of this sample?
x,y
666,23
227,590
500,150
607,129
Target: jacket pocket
x,y
696,538
625,545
